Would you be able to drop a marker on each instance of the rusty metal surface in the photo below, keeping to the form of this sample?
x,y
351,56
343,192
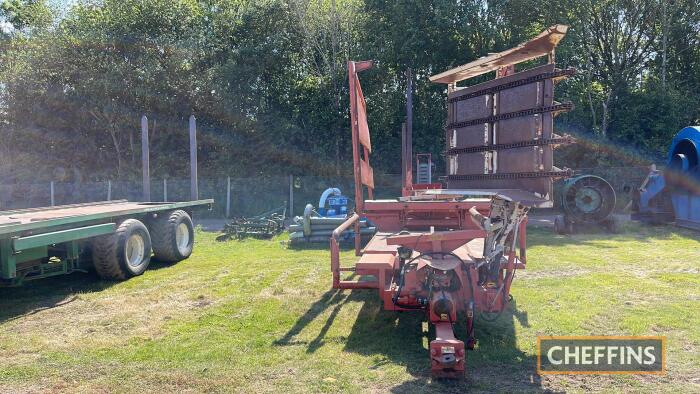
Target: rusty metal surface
x,y
500,133
504,84
361,146
524,197
514,115
378,244
438,241
407,139
263,226
500,138
520,144
542,45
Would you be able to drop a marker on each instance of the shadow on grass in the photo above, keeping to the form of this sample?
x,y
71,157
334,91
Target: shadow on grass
x,y
331,299
496,365
48,293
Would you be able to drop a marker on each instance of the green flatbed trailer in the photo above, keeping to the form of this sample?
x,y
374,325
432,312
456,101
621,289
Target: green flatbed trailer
x,y
116,238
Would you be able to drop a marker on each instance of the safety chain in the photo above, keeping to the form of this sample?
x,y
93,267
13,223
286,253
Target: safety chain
x,y
511,175
514,84
511,115
522,144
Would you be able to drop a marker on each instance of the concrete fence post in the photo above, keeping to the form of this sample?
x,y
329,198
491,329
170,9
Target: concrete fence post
x,y
165,189
109,190
228,197
145,159
194,187
291,196
53,200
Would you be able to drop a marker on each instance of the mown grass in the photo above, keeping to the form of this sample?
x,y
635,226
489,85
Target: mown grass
x,y
256,316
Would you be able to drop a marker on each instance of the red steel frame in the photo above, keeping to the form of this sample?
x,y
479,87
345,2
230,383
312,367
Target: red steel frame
x,y
360,142
428,227
381,260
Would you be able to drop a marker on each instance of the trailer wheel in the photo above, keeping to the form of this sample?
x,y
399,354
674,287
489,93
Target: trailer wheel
x,y
173,236
124,253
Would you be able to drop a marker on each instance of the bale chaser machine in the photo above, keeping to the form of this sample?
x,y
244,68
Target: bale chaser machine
x,y
454,251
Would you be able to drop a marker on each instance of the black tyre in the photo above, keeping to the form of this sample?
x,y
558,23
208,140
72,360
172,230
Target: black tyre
x,y
124,253
173,236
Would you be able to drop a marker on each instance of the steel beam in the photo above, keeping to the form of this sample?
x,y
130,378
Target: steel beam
x,y
35,241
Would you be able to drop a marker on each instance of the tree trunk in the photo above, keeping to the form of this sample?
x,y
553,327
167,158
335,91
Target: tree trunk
x,y
336,89
117,149
337,157
606,109
664,42
590,101
131,147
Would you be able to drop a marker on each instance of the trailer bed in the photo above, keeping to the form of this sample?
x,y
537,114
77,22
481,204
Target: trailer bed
x,y
40,242
34,218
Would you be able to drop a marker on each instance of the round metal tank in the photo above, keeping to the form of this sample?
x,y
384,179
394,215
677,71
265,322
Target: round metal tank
x,y
684,153
683,177
587,199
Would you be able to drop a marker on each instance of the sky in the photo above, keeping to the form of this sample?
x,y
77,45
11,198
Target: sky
x,y
62,5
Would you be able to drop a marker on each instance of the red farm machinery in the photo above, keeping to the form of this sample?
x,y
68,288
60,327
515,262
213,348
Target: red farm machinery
x,y
453,252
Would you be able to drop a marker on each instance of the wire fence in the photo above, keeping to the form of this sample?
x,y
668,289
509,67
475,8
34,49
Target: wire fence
x,y
235,197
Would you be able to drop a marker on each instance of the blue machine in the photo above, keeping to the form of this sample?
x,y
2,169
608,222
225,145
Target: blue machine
x,y
333,203
675,193
317,225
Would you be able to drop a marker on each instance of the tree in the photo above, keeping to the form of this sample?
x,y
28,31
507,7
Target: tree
x,y
268,83
328,28
618,37
25,15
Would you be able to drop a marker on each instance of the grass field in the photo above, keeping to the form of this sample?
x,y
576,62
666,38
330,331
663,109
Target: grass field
x,y
255,316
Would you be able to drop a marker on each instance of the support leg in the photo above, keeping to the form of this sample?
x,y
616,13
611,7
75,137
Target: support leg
x,y
471,339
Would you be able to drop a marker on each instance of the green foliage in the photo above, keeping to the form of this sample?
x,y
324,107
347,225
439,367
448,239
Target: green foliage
x,y
26,14
268,84
651,117
624,90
